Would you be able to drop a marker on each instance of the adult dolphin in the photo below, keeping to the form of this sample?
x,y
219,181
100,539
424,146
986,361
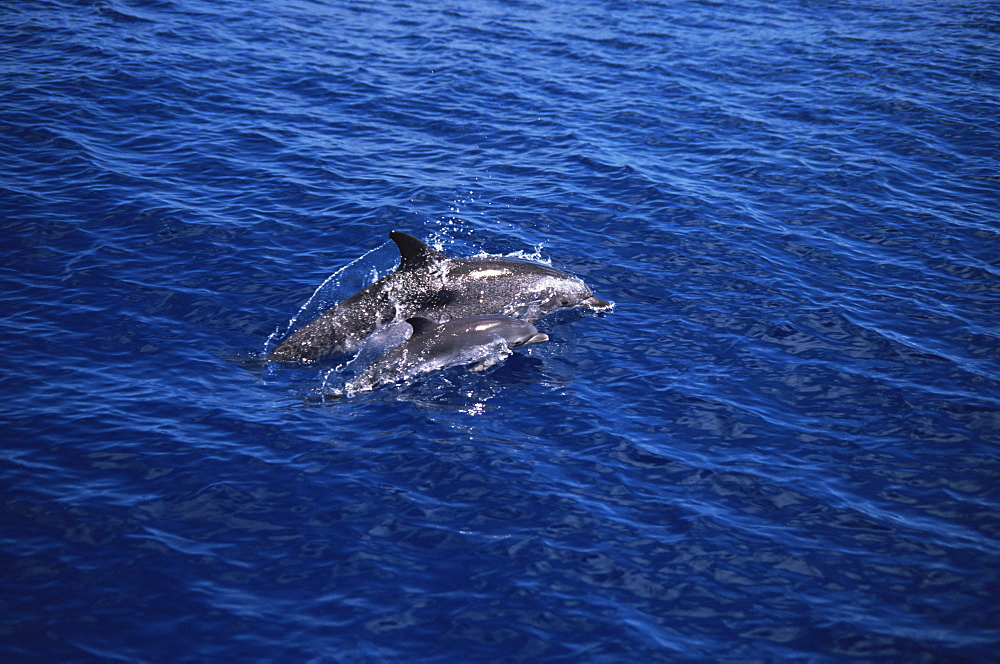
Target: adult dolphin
x,y
428,284
481,341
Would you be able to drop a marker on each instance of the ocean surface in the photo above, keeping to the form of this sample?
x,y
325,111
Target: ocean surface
x,y
782,443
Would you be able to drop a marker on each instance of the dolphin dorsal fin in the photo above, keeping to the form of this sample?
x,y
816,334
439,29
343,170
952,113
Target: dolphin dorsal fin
x,y
421,325
413,253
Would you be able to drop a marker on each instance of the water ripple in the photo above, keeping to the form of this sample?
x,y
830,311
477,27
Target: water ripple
x,y
780,444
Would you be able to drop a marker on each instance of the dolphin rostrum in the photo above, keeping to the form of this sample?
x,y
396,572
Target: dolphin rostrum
x,y
428,284
479,340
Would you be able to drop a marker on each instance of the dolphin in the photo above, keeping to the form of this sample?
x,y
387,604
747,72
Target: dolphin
x,y
479,340
430,285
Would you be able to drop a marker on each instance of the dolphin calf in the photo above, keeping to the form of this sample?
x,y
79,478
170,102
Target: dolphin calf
x,y
430,285
479,340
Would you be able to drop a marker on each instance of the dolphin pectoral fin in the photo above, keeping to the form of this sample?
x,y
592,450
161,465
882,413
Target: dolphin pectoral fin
x,y
414,254
482,366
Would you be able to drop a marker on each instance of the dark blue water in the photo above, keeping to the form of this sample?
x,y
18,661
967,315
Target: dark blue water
x,y
782,443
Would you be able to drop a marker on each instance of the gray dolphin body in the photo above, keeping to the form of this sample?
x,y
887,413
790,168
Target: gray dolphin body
x,y
428,284
478,340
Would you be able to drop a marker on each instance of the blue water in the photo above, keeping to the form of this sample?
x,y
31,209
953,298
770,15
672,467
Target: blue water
x,y
782,443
